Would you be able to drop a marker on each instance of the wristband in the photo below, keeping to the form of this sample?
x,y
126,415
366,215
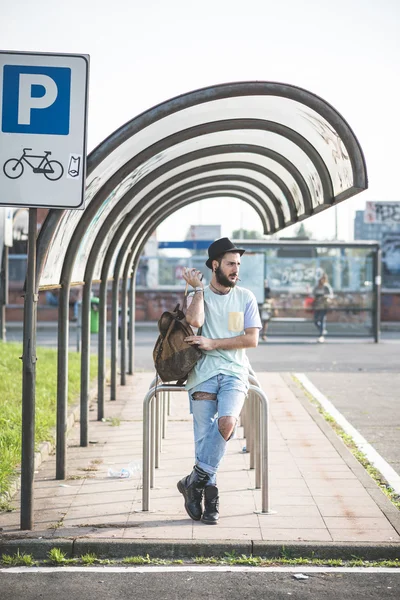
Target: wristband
x,y
198,289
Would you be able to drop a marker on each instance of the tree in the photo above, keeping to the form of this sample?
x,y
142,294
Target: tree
x,y
246,234
303,233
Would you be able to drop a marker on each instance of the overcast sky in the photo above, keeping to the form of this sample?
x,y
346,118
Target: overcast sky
x,y
143,53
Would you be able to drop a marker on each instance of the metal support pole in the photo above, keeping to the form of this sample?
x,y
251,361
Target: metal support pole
x,y
79,328
62,381
124,328
377,288
169,403
131,327
102,339
29,379
114,340
85,364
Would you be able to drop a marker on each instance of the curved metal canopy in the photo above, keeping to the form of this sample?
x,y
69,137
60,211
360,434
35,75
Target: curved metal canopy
x,y
281,149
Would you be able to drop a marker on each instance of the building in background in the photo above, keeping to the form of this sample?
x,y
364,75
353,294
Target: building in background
x,y
380,221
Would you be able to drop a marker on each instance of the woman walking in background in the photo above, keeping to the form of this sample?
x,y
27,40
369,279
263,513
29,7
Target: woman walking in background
x,y
323,295
267,311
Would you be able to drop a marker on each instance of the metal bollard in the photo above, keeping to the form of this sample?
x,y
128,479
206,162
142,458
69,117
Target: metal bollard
x,y
157,430
257,440
164,414
148,439
254,426
264,431
250,432
152,442
149,435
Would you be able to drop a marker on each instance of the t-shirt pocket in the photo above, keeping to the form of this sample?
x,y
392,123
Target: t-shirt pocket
x,y
236,321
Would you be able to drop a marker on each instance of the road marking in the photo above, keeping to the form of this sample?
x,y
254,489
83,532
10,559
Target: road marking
x,y
201,569
372,455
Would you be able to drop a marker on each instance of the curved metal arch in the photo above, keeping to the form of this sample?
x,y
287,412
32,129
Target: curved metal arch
x,y
144,202
192,132
249,167
228,165
122,203
224,178
241,148
237,89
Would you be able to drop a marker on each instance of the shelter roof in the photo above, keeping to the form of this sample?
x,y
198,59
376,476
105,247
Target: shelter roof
x,y
279,148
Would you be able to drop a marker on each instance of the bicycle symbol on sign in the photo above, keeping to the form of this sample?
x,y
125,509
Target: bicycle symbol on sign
x,y
51,169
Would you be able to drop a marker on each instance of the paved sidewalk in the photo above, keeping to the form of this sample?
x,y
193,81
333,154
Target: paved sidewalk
x,y
320,493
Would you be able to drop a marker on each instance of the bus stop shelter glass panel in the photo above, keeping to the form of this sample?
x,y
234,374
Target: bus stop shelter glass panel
x,y
292,277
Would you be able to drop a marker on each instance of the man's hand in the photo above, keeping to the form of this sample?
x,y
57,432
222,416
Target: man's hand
x,y
193,277
248,340
201,342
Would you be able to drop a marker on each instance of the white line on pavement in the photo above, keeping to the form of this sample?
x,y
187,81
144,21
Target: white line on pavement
x,y
201,569
372,455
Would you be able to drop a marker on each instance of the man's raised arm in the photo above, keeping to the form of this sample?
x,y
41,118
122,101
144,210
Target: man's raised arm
x,y
195,306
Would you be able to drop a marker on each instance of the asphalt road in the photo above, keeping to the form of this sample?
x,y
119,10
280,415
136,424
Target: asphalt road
x,y
277,355
106,585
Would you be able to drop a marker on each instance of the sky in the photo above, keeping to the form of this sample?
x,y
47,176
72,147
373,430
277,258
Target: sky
x,y
143,53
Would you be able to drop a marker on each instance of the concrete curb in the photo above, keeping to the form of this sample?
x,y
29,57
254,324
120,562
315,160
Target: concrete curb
x,y
189,549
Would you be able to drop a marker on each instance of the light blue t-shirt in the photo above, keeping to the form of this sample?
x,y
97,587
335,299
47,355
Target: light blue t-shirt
x,y
225,316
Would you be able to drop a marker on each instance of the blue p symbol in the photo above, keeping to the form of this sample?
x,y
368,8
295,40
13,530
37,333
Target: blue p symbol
x,y
36,100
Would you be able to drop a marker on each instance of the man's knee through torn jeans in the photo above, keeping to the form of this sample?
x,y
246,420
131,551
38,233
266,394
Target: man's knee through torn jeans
x,y
215,405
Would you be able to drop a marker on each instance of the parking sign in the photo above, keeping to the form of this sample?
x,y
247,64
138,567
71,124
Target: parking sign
x,y
43,113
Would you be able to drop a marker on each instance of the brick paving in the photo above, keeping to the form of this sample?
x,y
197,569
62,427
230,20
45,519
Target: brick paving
x,y
316,492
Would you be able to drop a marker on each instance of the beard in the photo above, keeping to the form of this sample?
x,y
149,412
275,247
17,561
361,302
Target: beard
x,y
223,279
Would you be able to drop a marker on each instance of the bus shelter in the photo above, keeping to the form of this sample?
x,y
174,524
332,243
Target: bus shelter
x,y
283,150
288,272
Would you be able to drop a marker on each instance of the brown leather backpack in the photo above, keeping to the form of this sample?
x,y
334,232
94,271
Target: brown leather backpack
x,y
174,358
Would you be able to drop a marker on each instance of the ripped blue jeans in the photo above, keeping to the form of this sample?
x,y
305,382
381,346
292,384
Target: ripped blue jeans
x,y
210,446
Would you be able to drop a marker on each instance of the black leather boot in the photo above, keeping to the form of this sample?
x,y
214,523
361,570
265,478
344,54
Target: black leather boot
x,y
211,505
192,488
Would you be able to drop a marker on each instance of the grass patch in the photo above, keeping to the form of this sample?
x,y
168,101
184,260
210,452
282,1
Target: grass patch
x,y
88,559
146,560
46,396
259,561
57,557
17,560
351,445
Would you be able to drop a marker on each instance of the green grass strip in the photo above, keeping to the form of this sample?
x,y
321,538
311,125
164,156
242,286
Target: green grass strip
x,y
46,401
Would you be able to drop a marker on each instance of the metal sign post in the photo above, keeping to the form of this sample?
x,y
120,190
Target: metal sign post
x,y
43,114
29,378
